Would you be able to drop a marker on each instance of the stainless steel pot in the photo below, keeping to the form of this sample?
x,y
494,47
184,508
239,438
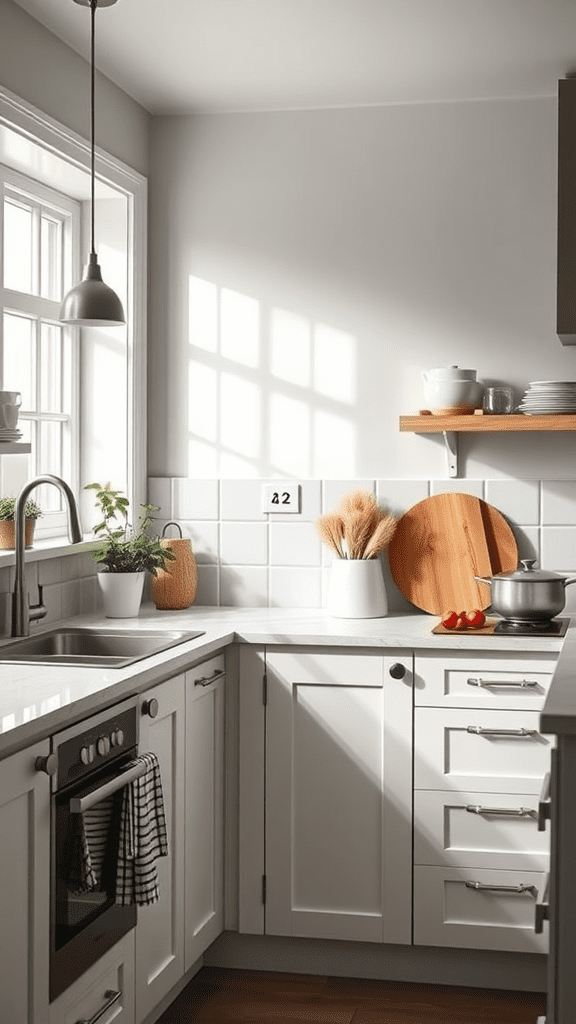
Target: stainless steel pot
x,y
528,594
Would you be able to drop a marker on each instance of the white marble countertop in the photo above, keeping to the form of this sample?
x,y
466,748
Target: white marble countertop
x,y
38,700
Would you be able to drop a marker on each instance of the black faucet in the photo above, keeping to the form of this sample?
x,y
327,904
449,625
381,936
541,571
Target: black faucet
x,y
22,612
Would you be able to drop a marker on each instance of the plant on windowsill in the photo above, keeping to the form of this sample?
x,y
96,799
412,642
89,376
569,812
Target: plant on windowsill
x,y
126,553
7,534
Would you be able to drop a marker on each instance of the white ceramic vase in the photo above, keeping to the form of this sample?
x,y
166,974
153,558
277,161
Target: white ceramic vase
x,y
356,589
121,593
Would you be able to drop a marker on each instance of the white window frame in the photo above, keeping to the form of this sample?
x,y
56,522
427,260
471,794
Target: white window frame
x,y
33,125
38,309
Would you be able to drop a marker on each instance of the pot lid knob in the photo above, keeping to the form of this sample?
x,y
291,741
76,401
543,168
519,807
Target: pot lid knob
x,y
528,564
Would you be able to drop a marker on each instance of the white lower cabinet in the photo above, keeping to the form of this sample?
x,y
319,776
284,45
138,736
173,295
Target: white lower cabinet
x,y
338,793
104,993
204,823
24,887
160,928
480,862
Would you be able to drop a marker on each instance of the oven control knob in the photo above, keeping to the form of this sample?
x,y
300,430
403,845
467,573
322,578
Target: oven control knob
x,y
117,738
87,754
103,746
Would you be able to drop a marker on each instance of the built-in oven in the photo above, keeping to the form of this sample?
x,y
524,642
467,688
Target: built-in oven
x,y
95,761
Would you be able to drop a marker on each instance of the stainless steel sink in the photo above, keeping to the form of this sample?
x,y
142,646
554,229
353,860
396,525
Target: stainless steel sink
x,y
109,648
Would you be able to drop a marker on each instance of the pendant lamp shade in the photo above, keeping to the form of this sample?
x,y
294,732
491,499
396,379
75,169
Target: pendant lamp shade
x,y
91,303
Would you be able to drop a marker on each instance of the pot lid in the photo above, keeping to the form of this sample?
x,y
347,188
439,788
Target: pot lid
x,y
527,574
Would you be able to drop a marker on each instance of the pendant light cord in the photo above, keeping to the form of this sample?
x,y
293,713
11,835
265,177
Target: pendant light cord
x,y
93,6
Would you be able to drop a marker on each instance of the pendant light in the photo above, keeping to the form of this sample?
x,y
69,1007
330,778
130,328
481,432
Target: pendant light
x,y
92,303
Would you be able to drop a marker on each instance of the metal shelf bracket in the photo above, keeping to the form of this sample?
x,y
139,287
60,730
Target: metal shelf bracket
x,y
451,442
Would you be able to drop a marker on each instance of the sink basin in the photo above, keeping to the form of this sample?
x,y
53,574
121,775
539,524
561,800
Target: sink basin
x,y
109,648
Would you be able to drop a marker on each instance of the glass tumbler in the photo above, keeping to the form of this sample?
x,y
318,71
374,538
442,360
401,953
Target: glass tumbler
x,y
498,400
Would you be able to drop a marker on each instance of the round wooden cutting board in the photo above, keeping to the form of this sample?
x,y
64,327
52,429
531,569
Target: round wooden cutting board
x,y
441,543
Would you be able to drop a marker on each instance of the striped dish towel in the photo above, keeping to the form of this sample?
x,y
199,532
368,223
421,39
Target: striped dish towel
x,y
143,836
90,847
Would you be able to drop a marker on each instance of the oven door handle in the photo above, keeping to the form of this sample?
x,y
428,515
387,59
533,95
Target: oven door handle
x,y
79,804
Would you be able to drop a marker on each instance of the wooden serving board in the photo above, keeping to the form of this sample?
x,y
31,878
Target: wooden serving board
x,y
441,543
486,630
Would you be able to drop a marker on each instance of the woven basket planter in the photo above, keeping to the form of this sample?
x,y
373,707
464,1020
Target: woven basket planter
x,y
175,586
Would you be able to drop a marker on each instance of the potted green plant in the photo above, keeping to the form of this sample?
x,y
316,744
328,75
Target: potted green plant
x,y
7,533
126,553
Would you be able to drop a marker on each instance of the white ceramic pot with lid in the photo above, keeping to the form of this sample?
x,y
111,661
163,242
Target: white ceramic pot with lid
x,y
452,391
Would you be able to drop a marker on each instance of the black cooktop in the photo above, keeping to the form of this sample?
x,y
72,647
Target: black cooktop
x,y
512,627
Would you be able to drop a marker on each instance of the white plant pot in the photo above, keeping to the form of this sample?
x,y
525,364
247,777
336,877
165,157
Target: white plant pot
x,y
356,589
122,593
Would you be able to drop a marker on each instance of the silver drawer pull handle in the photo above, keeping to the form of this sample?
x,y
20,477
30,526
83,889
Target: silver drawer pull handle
x,y
542,909
506,812
112,997
479,730
206,680
544,804
481,887
522,684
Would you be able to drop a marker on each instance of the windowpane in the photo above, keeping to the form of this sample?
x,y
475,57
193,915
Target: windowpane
x,y
18,260
50,258
19,361
51,462
50,368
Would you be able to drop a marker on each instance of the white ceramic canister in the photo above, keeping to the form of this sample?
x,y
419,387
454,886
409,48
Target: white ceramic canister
x,y
451,390
356,589
121,593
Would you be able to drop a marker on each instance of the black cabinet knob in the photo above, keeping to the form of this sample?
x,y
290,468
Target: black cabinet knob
x,y
150,707
397,670
47,764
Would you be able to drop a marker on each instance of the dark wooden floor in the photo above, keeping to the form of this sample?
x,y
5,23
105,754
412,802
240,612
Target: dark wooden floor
x,y
215,996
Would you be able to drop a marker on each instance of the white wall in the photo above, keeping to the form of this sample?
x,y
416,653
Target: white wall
x,y
330,257
39,68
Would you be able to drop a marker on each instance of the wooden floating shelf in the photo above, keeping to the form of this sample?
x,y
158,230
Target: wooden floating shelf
x,y
451,426
15,447
478,424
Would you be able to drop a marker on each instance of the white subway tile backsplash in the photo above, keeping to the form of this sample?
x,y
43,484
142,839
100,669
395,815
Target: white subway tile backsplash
x,y
246,587
242,499
194,499
475,487
244,543
207,586
558,502
397,496
295,587
334,490
559,548
310,504
204,541
518,500
528,541
294,544
70,595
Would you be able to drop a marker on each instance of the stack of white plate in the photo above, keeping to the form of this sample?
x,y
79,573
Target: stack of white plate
x,y
6,434
549,396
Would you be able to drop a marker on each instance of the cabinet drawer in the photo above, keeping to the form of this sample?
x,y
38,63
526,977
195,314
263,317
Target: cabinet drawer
x,y
494,830
482,679
506,755
447,912
113,973
207,672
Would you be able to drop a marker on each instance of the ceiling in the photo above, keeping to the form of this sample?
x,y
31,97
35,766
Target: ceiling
x,y
180,56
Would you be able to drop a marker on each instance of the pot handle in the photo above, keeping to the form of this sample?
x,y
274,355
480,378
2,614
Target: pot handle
x,y
484,579
571,579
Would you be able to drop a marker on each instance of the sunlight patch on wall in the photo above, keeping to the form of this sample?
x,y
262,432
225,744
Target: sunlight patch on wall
x,y
334,446
203,314
335,362
239,328
290,347
240,415
289,435
203,400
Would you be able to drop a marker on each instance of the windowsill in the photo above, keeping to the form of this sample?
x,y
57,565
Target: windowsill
x,y
51,547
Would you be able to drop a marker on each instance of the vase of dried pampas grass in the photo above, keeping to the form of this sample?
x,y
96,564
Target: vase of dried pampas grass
x,y
357,533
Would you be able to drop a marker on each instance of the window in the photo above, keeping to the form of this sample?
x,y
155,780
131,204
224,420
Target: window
x,y
38,355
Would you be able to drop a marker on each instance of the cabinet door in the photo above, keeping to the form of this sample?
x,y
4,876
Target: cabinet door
x,y
160,929
24,887
204,829
338,795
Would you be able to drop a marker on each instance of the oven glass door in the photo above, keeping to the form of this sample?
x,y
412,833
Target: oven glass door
x,y
85,918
